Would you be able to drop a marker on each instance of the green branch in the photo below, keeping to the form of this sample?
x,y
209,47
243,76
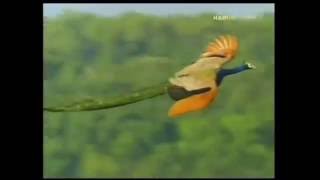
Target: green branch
x,y
111,102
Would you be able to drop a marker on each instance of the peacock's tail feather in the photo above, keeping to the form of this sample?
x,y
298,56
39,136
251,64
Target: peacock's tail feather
x,y
111,102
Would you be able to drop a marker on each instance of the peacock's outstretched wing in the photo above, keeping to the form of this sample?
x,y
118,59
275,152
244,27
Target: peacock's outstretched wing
x,y
192,103
224,49
202,73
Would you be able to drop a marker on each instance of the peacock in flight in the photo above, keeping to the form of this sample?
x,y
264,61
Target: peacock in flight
x,y
192,89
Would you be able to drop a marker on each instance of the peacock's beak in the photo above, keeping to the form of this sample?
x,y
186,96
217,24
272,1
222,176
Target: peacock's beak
x,y
250,65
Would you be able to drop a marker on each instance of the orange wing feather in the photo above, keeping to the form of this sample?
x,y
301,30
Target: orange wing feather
x,y
224,45
193,103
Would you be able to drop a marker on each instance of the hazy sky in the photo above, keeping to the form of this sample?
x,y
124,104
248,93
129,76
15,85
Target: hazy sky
x,y
161,9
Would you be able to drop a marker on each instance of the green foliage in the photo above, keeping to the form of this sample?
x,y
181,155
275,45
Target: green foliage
x,y
91,56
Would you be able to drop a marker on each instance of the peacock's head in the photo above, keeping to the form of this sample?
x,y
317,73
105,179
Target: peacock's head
x,y
249,65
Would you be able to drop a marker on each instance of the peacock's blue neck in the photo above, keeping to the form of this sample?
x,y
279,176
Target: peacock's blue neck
x,y
226,72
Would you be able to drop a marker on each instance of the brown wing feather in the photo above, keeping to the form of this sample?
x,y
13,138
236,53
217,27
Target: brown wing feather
x,y
178,92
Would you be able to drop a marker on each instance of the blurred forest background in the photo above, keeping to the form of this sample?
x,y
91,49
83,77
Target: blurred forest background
x,y
86,55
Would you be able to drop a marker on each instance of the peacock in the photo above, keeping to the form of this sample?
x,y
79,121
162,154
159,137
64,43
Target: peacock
x,y
193,88
196,86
